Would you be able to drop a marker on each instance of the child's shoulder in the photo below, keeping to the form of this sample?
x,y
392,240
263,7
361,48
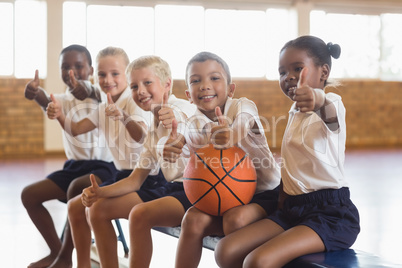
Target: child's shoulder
x,y
182,105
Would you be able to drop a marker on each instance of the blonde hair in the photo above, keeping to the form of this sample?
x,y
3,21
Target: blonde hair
x,y
158,65
111,51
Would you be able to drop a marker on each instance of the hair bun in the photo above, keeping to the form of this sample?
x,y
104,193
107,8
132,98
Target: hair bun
x,y
334,50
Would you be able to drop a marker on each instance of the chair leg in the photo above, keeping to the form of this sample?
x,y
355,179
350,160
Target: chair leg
x,y
121,238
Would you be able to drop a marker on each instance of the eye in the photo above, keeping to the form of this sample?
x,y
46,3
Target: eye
x,y
298,69
215,78
115,74
134,87
193,81
148,83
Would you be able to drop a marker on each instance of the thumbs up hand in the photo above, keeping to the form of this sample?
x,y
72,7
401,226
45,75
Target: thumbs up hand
x,y
90,194
77,87
112,110
32,88
221,135
166,115
305,96
174,145
53,109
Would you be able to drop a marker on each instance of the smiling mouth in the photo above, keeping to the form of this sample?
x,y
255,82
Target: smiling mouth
x,y
145,99
291,89
207,97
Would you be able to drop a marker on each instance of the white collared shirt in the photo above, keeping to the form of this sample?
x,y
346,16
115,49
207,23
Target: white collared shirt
x,y
313,155
255,144
124,149
90,145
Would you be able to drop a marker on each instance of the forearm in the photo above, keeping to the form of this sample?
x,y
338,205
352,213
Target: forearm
x,y
93,91
137,130
125,186
42,99
324,107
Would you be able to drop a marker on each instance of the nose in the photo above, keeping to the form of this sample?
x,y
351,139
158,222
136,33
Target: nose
x,y
107,79
141,90
290,77
205,86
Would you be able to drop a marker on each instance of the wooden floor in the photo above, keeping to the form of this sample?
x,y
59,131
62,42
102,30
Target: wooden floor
x,y
375,178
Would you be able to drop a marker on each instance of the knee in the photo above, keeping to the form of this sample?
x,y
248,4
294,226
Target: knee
x,y
257,260
74,189
224,253
76,186
138,217
27,196
97,212
232,221
76,210
194,223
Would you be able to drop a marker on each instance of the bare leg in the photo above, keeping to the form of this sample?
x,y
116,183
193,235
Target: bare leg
x,y
195,226
165,211
241,216
33,196
231,250
297,241
81,233
101,215
64,258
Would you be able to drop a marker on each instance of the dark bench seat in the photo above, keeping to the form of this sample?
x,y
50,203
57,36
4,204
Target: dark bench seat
x,y
348,258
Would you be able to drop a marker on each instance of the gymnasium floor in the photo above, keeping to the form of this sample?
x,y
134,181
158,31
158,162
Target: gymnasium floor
x,y
375,178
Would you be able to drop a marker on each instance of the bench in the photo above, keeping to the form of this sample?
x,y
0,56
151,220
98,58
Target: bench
x,y
348,258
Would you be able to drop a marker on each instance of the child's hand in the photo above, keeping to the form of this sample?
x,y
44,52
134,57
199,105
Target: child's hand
x,y
166,114
90,194
32,88
53,109
221,135
174,145
112,110
77,87
306,97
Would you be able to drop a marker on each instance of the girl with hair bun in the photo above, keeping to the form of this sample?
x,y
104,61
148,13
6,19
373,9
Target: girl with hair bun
x,y
315,213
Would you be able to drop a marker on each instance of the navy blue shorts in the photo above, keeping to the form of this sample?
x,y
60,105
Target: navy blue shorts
x,y
174,189
73,169
151,182
268,200
330,213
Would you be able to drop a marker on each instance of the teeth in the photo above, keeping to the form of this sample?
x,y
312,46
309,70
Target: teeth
x,y
207,97
146,99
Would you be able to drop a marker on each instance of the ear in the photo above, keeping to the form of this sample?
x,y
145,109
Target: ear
x,y
168,85
325,70
188,96
231,91
91,72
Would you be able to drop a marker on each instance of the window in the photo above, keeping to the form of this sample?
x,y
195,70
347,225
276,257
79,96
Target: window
x,y
176,33
30,35
391,47
238,36
370,47
179,35
277,37
19,42
7,42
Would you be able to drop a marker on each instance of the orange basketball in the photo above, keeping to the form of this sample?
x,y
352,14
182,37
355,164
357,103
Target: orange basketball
x,y
217,180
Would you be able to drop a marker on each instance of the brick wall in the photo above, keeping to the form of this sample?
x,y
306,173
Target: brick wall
x,y
374,116
21,122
